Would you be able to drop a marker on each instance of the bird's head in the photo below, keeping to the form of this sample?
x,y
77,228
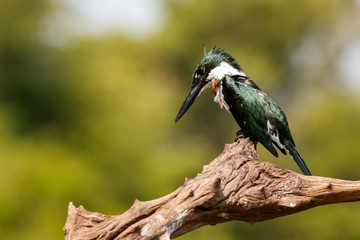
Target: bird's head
x,y
209,73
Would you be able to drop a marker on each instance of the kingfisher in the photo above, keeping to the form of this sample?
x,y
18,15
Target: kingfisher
x,y
258,116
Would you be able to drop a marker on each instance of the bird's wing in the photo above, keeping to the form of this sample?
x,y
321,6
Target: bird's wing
x,y
261,118
246,80
248,109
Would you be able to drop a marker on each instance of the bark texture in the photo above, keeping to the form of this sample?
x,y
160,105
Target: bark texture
x,y
234,186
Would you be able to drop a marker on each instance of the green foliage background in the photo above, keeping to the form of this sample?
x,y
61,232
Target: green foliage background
x,y
91,121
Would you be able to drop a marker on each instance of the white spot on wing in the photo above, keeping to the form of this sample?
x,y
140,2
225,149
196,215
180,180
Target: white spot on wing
x,y
224,69
262,95
274,134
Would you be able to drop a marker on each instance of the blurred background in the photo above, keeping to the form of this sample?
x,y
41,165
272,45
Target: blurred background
x,y
89,91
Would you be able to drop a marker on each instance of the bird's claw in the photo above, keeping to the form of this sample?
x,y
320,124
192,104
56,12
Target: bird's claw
x,y
240,134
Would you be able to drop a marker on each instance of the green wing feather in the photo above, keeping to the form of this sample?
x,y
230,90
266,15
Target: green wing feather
x,y
260,117
248,110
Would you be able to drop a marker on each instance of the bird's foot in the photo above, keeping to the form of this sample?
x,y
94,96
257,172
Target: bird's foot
x,y
240,134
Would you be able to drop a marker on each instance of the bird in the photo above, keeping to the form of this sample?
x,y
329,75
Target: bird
x,y
260,118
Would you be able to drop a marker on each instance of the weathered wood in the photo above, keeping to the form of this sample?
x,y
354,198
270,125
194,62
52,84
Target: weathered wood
x,y
234,186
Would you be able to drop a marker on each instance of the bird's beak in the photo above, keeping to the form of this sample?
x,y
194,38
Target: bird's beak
x,y
190,98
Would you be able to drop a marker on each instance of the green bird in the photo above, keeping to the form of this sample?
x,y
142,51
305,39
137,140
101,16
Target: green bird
x,y
258,116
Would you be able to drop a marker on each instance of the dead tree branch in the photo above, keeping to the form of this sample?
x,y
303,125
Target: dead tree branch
x,y
234,186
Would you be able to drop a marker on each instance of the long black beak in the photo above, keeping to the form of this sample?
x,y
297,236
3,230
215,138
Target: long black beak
x,y
190,98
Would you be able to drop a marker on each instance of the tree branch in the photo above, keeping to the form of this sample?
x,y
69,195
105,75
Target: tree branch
x,y
234,186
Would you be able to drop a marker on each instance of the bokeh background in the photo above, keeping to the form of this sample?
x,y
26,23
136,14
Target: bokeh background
x,y
89,91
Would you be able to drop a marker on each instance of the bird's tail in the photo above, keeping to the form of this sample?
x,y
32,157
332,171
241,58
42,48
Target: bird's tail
x,y
299,161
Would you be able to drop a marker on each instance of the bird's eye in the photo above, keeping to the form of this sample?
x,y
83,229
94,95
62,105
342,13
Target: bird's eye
x,y
199,75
